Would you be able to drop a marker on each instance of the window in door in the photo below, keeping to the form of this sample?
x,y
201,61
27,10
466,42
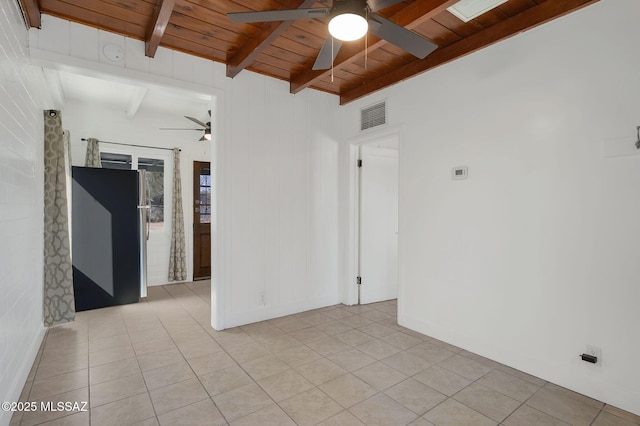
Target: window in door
x,y
201,219
205,195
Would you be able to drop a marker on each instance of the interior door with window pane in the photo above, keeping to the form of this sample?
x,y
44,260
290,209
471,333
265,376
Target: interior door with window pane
x,y
201,219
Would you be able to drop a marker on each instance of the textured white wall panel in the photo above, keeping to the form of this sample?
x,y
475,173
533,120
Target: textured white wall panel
x,y
281,190
162,62
135,58
202,71
183,65
21,207
58,38
83,42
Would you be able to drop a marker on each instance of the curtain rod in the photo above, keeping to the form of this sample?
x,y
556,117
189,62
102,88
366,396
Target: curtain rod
x,y
130,144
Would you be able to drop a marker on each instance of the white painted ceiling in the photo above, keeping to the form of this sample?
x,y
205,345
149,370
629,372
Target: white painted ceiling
x,y
118,95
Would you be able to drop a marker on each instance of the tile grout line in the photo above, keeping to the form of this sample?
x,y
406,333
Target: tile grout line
x,y
348,409
153,407
187,304
39,361
187,361
294,369
598,414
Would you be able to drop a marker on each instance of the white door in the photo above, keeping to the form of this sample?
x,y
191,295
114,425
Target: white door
x,y
378,224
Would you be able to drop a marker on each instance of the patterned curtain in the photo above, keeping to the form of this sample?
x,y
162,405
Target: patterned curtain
x,y
177,258
92,159
58,302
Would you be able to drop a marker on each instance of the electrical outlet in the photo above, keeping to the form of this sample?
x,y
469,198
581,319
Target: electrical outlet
x,y
263,298
595,351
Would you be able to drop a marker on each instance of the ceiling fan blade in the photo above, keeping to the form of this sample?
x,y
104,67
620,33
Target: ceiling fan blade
x,y
195,120
202,139
278,15
176,128
403,38
327,54
376,5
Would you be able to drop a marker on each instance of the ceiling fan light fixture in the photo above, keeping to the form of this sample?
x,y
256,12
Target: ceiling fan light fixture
x,y
207,134
348,26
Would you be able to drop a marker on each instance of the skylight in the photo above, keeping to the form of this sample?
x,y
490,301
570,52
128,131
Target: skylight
x,y
466,10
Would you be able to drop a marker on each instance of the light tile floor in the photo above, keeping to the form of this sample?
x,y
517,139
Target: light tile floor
x,y
159,362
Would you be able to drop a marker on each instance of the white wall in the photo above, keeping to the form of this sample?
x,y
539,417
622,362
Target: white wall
x,y
21,207
536,254
280,199
526,262
108,124
276,161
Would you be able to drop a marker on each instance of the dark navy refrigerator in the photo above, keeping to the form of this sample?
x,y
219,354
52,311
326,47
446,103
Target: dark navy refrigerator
x,y
109,231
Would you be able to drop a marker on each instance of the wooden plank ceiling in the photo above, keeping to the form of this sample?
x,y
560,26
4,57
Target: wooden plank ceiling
x,y
287,50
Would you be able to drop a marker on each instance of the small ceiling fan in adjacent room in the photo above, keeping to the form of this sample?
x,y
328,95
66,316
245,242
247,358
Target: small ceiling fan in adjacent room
x,y
206,127
348,20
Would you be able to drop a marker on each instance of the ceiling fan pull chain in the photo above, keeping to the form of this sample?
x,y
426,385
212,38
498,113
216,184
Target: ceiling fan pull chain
x,y
366,41
332,59
366,50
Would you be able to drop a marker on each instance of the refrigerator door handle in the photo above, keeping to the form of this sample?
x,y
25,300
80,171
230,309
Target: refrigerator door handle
x,y
148,206
143,236
145,220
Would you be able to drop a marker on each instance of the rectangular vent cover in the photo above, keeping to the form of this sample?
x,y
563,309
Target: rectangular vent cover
x,y
374,115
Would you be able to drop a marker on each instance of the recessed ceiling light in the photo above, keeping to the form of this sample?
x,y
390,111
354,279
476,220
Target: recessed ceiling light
x,y
466,10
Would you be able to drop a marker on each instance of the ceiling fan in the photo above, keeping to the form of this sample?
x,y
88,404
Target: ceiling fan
x,y
206,127
349,20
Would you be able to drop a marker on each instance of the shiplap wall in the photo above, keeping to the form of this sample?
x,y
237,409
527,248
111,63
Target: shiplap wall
x,y
21,207
281,155
276,171
535,255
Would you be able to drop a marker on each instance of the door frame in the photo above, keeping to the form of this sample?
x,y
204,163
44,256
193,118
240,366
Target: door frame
x,y
350,289
219,212
217,99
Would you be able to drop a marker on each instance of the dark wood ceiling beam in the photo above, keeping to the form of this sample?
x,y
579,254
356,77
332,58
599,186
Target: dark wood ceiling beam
x,y
256,45
159,25
31,13
409,17
526,20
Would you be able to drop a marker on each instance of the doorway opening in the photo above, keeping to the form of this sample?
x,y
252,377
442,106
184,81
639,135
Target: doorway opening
x,y
375,200
201,220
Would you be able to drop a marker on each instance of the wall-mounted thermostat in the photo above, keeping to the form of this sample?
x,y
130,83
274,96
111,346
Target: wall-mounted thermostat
x,y
458,173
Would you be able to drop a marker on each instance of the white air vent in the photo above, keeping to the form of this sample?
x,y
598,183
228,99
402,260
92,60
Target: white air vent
x,y
374,115
466,10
